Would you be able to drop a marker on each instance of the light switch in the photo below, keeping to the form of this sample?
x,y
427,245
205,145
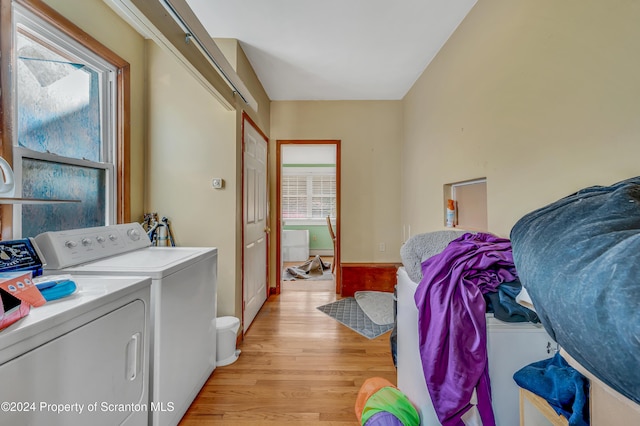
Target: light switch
x,y
217,183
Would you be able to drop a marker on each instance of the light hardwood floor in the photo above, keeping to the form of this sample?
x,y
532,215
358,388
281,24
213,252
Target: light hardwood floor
x,y
298,366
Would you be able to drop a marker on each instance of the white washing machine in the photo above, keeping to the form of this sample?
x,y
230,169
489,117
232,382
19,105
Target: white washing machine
x,y
183,303
80,360
510,346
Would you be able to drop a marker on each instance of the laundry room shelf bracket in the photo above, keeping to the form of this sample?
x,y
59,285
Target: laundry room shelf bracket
x,y
13,200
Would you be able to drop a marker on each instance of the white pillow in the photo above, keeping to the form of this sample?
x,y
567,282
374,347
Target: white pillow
x,y
420,247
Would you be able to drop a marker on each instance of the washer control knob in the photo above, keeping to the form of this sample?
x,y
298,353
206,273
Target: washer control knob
x,y
133,234
70,244
87,242
100,239
113,237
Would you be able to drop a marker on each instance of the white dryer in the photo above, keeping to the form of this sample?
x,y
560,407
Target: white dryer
x,y
183,303
80,360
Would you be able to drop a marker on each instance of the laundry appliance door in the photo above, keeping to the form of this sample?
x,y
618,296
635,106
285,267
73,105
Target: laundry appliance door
x,y
93,375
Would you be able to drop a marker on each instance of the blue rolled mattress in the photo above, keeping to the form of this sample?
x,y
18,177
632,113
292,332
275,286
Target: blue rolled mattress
x,y
579,259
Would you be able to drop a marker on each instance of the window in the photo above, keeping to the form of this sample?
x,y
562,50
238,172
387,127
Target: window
x,y
69,140
308,195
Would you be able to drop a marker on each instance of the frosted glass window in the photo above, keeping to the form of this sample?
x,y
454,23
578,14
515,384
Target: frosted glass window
x,y
43,179
65,129
58,102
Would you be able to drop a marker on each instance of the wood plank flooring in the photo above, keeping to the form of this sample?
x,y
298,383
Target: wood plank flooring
x,y
298,366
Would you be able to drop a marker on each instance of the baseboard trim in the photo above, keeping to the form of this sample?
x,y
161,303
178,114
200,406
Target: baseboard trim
x,y
367,276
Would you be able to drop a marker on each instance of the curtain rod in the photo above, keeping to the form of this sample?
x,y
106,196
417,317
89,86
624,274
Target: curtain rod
x,y
193,28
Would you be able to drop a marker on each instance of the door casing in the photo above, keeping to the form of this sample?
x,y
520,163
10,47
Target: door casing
x,y
336,254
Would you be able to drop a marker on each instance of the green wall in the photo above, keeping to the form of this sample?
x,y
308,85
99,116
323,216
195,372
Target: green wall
x,y
319,238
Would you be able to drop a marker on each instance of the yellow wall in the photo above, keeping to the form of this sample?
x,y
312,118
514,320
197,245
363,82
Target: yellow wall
x,y
238,60
371,136
181,138
99,21
245,71
191,138
541,97
261,118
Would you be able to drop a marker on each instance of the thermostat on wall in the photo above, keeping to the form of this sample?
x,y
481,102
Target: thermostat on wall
x,y
217,183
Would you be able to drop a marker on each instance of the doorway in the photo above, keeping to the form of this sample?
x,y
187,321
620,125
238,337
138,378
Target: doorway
x,y
308,191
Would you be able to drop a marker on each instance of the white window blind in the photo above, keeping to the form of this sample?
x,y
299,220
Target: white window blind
x,y
323,196
308,196
294,197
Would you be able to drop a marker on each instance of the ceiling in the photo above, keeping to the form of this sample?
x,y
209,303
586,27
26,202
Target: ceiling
x,y
335,49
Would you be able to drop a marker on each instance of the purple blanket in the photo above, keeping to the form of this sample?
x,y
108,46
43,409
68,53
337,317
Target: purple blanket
x,y
452,324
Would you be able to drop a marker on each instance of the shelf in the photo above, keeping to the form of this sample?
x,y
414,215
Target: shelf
x,y
13,200
543,408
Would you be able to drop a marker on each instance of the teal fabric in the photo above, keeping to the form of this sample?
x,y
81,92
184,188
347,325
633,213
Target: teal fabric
x,y
59,290
562,386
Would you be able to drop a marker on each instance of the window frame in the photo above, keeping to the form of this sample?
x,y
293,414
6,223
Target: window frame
x,y
121,152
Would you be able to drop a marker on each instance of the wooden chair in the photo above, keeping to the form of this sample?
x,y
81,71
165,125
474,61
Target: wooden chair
x,y
333,239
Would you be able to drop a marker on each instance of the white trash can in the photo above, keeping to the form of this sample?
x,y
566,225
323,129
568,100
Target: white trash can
x,y
226,334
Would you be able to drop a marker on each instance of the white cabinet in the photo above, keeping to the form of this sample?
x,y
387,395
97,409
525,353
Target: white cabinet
x,y
295,245
510,347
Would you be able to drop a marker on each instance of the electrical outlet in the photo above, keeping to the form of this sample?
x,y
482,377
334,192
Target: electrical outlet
x,y
217,183
382,247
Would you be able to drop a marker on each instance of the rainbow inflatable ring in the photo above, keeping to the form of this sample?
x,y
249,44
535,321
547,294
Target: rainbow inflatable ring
x,y
380,403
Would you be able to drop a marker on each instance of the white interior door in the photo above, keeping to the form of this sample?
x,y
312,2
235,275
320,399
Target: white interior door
x,y
255,222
